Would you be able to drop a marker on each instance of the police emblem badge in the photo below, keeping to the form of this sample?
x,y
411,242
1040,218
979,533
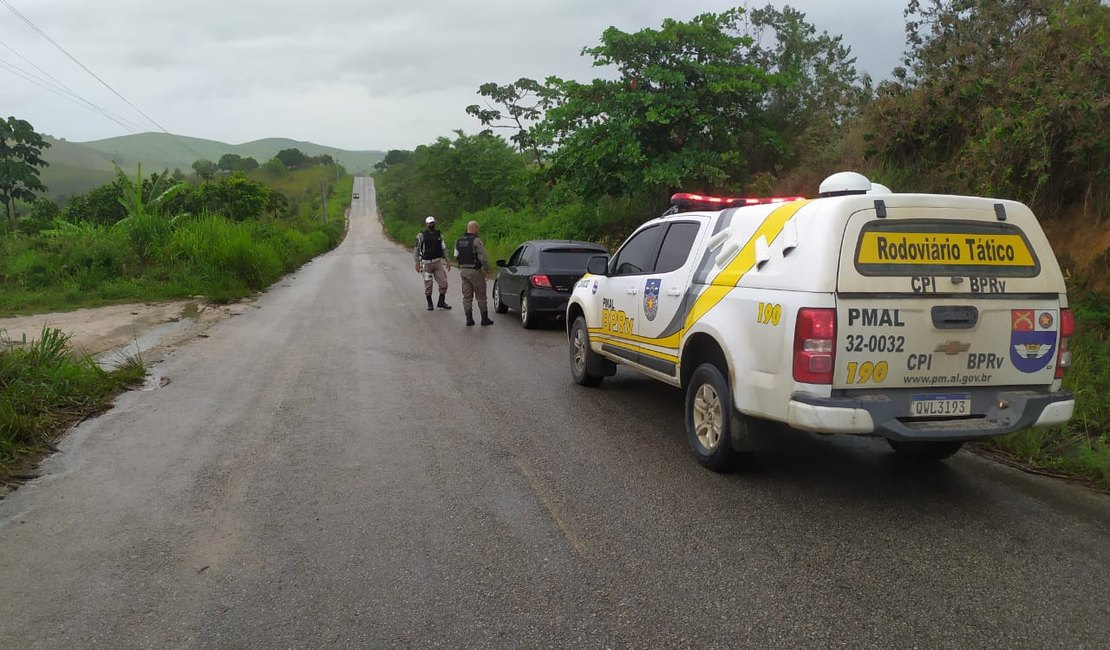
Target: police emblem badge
x,y
651,298
1032,339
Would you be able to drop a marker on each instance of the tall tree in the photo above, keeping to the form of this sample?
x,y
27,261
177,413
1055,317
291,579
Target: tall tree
x,y
521,105
205,169
684,110
293,158
1004,98
20,157
817,90
230,162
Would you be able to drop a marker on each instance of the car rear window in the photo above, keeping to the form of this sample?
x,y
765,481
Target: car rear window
x,y
567,260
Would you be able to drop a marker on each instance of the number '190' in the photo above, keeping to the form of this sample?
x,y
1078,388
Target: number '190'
x,y
861,373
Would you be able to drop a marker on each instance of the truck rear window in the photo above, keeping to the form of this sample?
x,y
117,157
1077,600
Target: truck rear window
x,y
913,247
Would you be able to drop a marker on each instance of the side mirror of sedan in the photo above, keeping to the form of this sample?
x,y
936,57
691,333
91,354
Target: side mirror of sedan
x,y
598,265
502,263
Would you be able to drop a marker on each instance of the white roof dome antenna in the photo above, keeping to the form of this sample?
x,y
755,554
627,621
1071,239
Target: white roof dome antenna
x,y
844,183
879,188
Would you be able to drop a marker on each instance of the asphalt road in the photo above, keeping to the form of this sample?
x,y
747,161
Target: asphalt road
x,y
341,468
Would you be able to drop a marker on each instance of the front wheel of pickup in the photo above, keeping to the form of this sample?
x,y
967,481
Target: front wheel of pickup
x,y
925,450
710,419
582,359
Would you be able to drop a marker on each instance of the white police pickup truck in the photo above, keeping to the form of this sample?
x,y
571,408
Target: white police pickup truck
x,y
927,320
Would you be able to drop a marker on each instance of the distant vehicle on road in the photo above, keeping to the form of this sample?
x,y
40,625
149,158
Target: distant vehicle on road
x,y
355,195
538,278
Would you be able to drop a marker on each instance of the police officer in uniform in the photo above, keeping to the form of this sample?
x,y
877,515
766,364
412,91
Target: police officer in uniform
x,y
470,254
431,259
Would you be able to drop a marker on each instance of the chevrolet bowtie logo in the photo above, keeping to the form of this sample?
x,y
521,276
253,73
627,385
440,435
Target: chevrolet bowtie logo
x,y
953,347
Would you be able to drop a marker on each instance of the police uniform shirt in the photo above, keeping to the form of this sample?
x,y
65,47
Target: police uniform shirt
x,y
418,250
479,252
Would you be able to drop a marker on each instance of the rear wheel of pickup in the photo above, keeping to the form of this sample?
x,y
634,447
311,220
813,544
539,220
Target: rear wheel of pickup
x,y
925,450
582,358
710,420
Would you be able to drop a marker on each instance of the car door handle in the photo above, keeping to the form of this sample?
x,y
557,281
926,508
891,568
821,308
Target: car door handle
x,y
631,291
674,292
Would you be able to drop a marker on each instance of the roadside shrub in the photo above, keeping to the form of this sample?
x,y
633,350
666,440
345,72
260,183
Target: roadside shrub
x,y
45,386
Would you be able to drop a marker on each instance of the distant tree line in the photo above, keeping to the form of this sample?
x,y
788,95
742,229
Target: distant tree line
x,y
283,160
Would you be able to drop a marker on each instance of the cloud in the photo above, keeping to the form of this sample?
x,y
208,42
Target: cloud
x,y
346,73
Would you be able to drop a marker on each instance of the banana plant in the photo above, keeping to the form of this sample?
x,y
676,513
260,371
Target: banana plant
x,y
162,189
145,224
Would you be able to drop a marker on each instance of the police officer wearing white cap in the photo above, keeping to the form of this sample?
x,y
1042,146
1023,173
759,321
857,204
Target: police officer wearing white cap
x,y
431,260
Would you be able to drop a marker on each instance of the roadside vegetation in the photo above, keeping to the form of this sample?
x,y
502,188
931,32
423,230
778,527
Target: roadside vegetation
x,y
45,388
1082,448
154,238
993,98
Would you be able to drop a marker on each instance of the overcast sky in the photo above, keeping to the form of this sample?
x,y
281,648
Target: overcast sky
x,y
352,74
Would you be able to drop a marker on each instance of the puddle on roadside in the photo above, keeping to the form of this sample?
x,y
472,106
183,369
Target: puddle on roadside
x,y
153,337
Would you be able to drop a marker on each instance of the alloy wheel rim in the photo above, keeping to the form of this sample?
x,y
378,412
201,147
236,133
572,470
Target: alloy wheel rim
x,y
524,308
496,294
708,420
579,352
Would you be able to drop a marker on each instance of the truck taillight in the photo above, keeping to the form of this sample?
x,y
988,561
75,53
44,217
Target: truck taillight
x,y
1067,328
815,345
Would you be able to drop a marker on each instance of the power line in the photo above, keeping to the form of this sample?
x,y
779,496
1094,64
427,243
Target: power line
x,y
65,93
57,83
94,76
45,85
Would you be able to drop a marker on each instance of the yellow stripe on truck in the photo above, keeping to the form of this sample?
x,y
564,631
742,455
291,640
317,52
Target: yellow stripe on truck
x,y
726,280
722,283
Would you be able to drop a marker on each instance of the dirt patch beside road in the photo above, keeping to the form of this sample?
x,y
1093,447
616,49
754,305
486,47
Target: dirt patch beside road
x,y
150,328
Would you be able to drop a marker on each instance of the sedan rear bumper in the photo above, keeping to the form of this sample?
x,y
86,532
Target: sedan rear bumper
x,y
548,301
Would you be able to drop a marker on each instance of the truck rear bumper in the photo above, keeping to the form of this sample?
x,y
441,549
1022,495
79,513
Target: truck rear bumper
x,y
998,412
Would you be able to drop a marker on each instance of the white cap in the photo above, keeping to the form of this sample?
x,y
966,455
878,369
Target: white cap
x,y
842,183
430,220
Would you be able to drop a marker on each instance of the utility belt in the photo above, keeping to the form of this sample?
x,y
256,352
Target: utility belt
x,y
436,259
470,266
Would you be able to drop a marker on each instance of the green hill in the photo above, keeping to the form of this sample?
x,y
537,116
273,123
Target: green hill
x,y
76,167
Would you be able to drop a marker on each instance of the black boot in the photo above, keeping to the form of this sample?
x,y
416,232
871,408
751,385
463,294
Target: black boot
x,y
486,319
442,301
469,319
431,307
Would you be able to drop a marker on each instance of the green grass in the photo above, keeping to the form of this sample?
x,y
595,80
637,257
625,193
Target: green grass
x,y
155,258
45,387
1082,447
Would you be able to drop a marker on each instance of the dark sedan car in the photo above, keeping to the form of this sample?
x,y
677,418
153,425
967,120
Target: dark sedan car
x,y
539,276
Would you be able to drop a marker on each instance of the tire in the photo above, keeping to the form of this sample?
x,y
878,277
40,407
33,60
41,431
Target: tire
x,y
925,450
527,318
710,419
498,306
581,356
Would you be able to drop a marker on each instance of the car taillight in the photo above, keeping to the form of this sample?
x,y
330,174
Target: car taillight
x,y
815,345
1067,328
540,280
